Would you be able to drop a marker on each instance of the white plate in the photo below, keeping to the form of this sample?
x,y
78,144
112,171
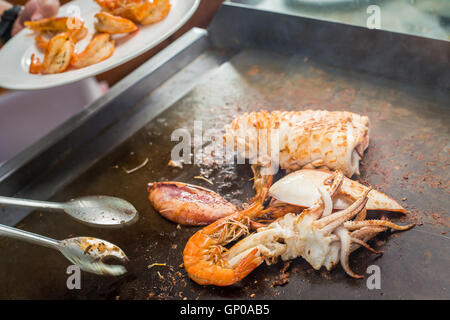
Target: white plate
x,y
16,53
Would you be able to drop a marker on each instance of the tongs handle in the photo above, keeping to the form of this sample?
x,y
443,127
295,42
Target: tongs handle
x,y
28,236
16,202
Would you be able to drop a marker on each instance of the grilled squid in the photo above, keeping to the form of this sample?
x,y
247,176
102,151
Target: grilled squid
x,y
300,188
320,235
57,57
301,139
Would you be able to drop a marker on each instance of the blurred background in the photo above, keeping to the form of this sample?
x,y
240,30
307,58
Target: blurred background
x,y
426,18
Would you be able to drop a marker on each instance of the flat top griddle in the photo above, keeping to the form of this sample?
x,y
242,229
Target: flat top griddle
x,y
407,159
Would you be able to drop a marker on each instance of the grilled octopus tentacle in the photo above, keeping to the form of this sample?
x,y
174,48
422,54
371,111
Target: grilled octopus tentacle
x,y
353,225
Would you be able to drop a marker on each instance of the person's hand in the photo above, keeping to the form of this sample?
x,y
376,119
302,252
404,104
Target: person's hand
x,y
35,10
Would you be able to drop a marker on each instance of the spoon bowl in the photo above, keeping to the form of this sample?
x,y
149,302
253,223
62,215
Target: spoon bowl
x,y
101,211
90,255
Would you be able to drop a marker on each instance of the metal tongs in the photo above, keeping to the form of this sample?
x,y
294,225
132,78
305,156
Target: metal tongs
x,y
86,252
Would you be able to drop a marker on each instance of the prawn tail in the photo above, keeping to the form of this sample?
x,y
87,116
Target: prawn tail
x,y
247,265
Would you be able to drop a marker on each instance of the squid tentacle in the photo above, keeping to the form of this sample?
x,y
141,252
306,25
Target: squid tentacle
x,y
331,222
354,225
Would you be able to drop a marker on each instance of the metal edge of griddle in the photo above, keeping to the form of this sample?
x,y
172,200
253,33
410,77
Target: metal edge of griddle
x,y
20,174
401,57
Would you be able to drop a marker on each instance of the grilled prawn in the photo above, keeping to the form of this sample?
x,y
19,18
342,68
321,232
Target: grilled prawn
x,y
100,48
322,137
57,56
300,189
159,11
139,11
50,27
304,139
204,251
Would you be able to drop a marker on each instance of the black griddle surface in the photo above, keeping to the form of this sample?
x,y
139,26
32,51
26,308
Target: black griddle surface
x,y
408,157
